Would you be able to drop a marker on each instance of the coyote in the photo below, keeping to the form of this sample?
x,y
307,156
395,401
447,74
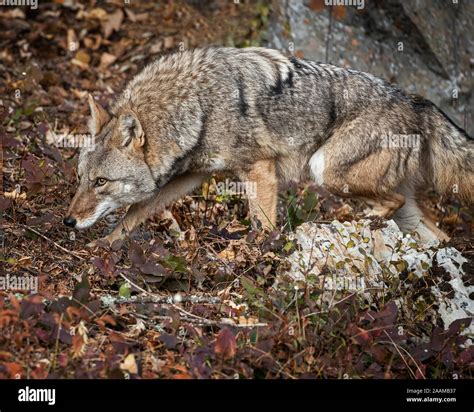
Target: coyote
x,y
267,118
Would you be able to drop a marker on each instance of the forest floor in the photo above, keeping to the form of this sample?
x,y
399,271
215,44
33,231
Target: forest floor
x,y
191,295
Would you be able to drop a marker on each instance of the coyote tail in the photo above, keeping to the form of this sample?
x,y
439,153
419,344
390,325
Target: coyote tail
x,y
452,159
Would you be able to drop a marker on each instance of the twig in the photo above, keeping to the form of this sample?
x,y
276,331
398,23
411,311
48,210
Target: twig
x,y
56,346
135,285
50,240
191,317
152,295
110,300
397,347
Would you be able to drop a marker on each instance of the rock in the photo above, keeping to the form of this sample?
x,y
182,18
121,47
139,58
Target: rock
x,y
421,47
378,263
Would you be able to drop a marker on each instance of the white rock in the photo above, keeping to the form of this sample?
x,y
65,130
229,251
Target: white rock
x,y
350,256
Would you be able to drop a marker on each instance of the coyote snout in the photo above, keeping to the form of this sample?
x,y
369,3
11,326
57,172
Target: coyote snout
x,y
88,206
69,221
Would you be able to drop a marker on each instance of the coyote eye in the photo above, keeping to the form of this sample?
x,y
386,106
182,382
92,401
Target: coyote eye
x,y
100,181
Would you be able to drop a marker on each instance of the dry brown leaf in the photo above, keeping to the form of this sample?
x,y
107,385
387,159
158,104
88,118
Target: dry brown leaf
x,y
14,13
227,254
129,364
106,60
299,54
340,12
141,16
168,42
113,23
81,59
93,41
156,47
131,15
316,5
17,196
14,369
97,13
80,94
226,345
78,346
244,321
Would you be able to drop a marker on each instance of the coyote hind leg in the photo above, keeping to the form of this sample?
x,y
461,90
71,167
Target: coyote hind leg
x,y
385,207
363,178
412,218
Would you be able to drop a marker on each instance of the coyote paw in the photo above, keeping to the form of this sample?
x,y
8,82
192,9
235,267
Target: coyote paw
x,y
105,241
92,245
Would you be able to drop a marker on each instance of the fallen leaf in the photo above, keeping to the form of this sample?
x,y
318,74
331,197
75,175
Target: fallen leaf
x,y
78,346
225,345
81,59
97,13
106,60
167,42
316,5
113,23
129,364
15,195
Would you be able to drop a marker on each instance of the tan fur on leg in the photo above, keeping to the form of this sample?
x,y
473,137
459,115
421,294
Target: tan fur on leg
x,y
386,206
139,212
263,206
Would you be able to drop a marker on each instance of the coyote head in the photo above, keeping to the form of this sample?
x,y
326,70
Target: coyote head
x,y
113,173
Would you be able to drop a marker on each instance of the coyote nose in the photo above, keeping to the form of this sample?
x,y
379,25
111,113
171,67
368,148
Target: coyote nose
x,y
69,221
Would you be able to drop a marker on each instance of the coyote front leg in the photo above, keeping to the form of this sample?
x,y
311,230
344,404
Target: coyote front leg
x,y
139,212
263,203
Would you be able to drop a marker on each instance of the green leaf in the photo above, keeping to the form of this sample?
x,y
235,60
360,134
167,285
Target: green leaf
x,y
340,265
125,291
288,246
82,291
248,285
350,244
176,263
401,265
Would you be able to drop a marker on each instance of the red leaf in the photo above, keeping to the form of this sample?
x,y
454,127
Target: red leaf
x,y
135,254
225,345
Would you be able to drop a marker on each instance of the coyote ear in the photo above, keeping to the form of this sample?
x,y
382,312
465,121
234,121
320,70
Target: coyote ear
x,y
99,116
131,130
